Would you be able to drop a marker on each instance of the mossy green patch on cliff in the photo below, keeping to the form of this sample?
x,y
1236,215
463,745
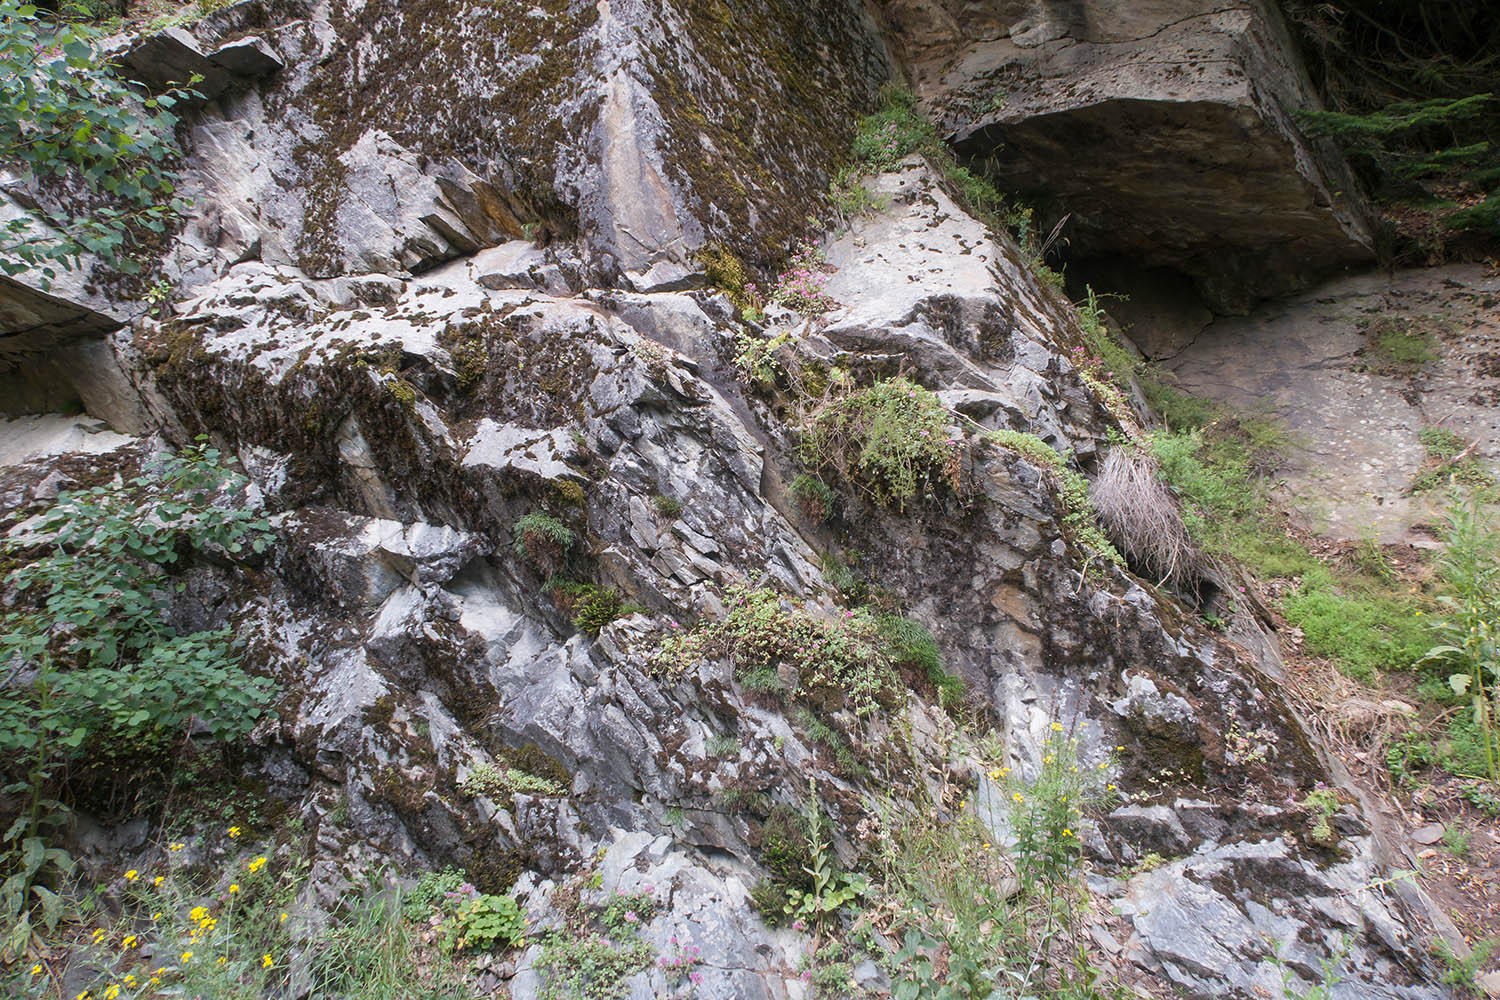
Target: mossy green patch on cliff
x,y
760,100
412,70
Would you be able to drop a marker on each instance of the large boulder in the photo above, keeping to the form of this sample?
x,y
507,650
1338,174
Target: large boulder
x,y
1163,130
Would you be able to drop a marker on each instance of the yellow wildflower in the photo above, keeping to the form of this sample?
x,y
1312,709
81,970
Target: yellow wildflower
x,y
187,956
111,991
234,887
257,865
234,831
36,970
132,875
266,962
176,847
84,995
129,942
129,980
1057,727
1017,796
1109,788
986,847
283,918
154,981
995,774
1067,832
157,880
221,960
197,913
156,916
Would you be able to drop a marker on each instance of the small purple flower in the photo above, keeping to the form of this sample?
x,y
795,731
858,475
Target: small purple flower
x,y
799,925
630,917
696,977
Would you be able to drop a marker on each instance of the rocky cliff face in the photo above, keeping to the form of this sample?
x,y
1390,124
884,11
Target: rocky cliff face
x,y
404,378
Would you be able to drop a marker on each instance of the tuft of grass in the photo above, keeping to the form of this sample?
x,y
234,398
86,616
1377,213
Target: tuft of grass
x,y
1365,630
813,496
1141,516
666,507
1401,345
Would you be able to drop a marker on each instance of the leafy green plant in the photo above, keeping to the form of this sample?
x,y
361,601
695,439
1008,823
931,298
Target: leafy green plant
x,y
96,671
430,892
1322,804
597,948
813,496
487,780
478,921
831,890
543,539
66,116
840,660
1469,634
890,439
595,607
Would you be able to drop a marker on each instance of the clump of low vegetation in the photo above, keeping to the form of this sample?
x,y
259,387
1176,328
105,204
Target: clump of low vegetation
x,y
1450,462
813,496
841,662
890,439
1142,517
802,285
1401,345
543,539
598,945
99,685
492,782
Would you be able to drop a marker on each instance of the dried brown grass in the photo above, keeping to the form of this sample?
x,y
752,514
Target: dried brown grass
x,y
1140,515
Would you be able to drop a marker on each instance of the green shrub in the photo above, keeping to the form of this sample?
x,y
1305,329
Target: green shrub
x,y
78,124
891,440
543,539
104,676
840,660
597,607
813,497
911,644
478,921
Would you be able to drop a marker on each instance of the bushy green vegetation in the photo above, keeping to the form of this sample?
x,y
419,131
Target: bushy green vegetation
x,y
488,780
99,682
67,117
840,661
813,496
898,130
597,947
891,439
1365,629
225,931
949,883
543,539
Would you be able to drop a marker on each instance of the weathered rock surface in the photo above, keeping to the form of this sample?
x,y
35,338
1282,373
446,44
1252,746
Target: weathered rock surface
x,y
404,374
1162,130
1314,362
